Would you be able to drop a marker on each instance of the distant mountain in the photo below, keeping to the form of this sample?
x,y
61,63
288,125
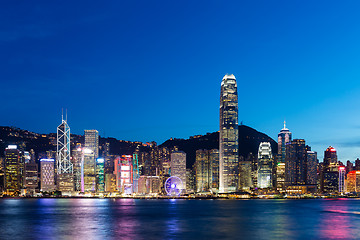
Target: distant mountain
x,y
249,141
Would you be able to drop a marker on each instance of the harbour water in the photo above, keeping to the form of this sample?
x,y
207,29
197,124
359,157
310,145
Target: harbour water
x,y
49,218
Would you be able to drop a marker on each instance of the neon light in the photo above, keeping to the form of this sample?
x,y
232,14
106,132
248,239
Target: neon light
x,y
46,160
87,150
100,160
12,147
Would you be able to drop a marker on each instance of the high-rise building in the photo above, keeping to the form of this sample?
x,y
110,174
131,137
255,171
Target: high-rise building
x,y
14,166
203,171
178,167
190,181
100,183
228,137
342,174
47,175
110,182
329,175
284,137
136,173
64,164
330,157
311,167
124,174
88,171
149,185
92,141
214,165
353,181
265,165
295,163
31,177
77,166
245,175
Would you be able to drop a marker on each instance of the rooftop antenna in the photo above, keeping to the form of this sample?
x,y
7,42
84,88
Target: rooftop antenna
x,y
284,124
62,114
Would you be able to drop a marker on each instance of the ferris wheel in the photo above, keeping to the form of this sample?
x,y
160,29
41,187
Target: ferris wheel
x,y
173,186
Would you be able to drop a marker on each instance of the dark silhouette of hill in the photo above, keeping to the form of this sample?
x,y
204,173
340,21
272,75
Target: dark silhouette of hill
x,y
249,141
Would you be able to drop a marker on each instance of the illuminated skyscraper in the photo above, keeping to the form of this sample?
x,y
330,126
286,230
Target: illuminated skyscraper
x,y
47,175
228,154
214,165
31,177
311,167
124,174
178,167
100,183
284,137
329,175
203,170
295,163
14,165
88,171
353,181
342,173
92,141
265,165
330,157
77,166
65,178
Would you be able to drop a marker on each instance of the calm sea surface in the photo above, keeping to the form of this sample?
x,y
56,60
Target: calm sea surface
x,y
179,219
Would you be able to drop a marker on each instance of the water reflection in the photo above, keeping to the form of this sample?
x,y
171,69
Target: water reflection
x,y
178,219
336,220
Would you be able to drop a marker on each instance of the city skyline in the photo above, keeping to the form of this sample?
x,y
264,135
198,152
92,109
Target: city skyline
x,y
157,76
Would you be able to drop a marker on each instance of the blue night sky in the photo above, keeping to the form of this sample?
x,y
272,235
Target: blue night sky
x,y
151,70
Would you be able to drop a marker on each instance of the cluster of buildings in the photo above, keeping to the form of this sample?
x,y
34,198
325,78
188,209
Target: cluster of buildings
x,y
89,169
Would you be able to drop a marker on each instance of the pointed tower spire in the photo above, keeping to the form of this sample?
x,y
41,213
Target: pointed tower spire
x,y
284,124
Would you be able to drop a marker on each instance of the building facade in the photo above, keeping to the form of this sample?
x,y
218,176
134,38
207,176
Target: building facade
x,y
228,137
47,175
284,137
92,141
14,167
178,167
265,166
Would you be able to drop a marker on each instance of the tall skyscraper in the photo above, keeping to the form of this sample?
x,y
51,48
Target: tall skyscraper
x,y
329,174
88,174
203,170
92,141
214,165
284,137
100,183
353,181
124,174
265,165
295,163
330,156
311,163
31,179
342,173
229,146
65,178
14,165
47,175
178,167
